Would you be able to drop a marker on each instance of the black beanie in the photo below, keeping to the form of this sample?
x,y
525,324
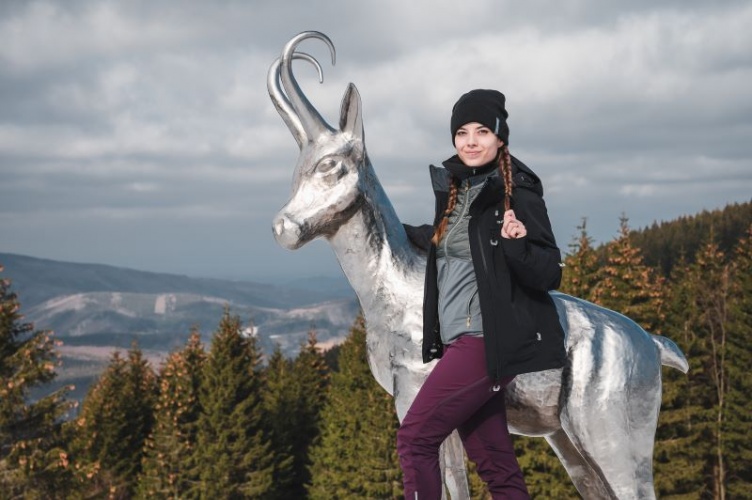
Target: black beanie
x,y
482,106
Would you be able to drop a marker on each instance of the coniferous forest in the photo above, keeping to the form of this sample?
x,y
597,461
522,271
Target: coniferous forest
x,y
226,420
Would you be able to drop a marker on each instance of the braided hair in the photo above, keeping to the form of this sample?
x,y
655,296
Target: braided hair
x,y
441,228
505,169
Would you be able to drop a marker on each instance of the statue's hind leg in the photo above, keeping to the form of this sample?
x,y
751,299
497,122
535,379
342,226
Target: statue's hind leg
x,y
614,454
586,479
610,415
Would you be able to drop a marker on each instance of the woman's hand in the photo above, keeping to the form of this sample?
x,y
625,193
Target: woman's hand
x,y
512,228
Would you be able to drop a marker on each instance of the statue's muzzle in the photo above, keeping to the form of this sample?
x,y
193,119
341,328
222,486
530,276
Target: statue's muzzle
x,y
286,232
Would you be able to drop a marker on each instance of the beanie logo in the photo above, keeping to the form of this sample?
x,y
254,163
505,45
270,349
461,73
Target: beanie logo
x,y
496,129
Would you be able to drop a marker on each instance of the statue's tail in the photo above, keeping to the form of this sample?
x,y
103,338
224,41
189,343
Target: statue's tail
x,y
671,355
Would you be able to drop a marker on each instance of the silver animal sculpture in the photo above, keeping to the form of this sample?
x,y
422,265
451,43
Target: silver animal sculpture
x,y
599,413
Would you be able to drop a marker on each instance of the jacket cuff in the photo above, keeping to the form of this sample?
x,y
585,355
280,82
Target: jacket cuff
x,y
514,247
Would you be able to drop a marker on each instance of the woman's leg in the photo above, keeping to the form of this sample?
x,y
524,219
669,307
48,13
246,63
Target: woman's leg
x,y
487,442
456,388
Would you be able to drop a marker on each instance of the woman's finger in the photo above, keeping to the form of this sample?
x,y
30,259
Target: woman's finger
x,y
509,215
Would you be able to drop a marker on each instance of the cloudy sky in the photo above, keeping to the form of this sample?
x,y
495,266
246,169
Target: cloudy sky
x,y
139,133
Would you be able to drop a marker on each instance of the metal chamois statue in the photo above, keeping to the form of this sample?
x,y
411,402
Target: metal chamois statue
x,y
599,413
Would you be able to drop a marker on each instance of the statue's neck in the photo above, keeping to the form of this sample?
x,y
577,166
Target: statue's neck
x,y
386,273
374,251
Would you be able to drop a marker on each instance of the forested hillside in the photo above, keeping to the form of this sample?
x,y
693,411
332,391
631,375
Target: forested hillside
x,y
663,244
212,420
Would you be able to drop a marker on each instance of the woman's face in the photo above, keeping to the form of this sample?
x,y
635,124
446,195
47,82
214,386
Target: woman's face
x,y
476,144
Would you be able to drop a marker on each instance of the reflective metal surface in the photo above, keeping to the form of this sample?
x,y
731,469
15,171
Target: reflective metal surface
x,y
599,412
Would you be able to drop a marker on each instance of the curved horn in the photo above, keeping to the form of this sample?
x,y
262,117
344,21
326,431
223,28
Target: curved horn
x,y
284,108
311,122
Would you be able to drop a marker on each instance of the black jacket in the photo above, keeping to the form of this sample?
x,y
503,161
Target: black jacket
x,y
520,325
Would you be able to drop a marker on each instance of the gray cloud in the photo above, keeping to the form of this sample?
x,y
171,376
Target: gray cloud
x,y
141,133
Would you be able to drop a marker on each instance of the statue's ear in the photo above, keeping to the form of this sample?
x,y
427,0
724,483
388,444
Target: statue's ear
x,y
351,119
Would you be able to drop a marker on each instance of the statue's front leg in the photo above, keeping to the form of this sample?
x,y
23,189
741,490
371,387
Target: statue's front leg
x,y
453,468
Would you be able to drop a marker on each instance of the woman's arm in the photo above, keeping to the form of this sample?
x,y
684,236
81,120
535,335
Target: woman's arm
x,y
534,258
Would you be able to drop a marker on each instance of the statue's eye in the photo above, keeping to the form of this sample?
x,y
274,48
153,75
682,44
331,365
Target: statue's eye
x,y
327,166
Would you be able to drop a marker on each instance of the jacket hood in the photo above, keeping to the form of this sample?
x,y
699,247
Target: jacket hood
x,y
524,177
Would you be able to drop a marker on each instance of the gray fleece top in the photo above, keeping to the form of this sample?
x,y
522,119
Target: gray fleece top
x,y
459,307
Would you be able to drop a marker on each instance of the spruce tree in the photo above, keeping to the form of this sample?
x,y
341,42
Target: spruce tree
x,y
233,456
281,400
166,470
312,377
115,420
580,273
712,298
296,391
33,455
680,446
737,430
625,284
356,456
691,450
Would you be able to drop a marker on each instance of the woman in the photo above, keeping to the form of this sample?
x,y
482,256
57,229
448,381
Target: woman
x,y
486,310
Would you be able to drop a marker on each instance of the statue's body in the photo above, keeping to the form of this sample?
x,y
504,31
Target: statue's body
x,y
599,413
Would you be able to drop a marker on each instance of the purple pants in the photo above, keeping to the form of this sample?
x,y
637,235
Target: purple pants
x,y
458,394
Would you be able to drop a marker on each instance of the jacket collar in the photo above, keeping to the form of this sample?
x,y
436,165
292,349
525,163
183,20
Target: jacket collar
x,y
523,177
461,171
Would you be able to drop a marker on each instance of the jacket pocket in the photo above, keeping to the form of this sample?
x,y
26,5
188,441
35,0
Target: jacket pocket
x,y
524,342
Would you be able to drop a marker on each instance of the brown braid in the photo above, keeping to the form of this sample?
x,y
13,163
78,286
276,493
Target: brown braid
x,y
505,169
441,228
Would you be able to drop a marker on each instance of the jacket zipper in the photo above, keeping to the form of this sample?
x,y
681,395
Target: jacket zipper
x,y
470,303
465,209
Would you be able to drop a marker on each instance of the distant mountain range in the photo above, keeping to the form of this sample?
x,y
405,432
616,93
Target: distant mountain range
x,y
95,309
